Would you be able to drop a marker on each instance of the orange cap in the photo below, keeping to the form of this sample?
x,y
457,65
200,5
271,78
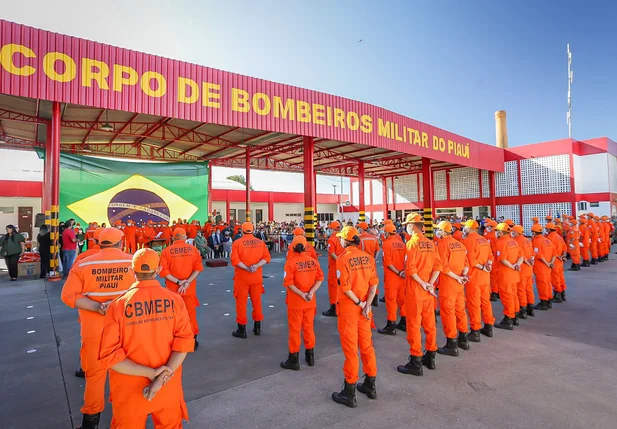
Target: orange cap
x,y
145,261
363,225
551,226
413,218
388,222
298,231
549,217
457,225
503,227
583,221
110,236
389,228
248,227
444,225
518,229
299,239
179,233
149,222
536,228
590,214
348,233
535,219
118,222
335,225
471,224
509,222
557,220
97,233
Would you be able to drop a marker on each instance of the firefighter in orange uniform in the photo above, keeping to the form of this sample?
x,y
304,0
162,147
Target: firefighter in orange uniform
x,y
490,226
191,230
594,237
573,242
248,255
131,237
458,232
166,233
422,268
357,285
557,274
334,251
310,250
369,244
585,241
525,285
146,337
394,280
605,245
478,289
180,266
303,276
149,233
453,276
90,234
544,255
90,287
91,251
510,256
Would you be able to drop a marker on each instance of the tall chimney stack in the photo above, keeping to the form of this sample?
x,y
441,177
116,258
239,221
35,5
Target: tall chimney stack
x,y
501,129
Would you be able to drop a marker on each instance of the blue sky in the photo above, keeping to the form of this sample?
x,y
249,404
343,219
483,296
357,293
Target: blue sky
x,y
449,63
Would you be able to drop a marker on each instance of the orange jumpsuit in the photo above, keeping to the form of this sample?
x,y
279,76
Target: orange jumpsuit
x,y
492,238
130,232
543,248
90,237
557,274
585,240
145,325
149,235
334,246
574,239
139,233
357,273
478,290
423,260
166,230
180,260
525,286
453,256
310,250
248,250
301,271
458,235
191,230
508,250
369,244
394,254
101,277
606,238
593,227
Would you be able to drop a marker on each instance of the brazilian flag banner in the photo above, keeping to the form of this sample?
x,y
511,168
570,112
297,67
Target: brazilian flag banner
x,y
99,190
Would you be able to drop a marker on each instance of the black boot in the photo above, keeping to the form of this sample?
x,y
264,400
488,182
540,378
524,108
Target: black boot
x,y
240,332
90,421
413,367
594,261
530,311
368,387
196,343
80,373
436,313
309,357
402,325
450,349
375,302
494,296
382,299
347,396
257,328
522,314
428,360
515,321
557,298
331,311
572,268
487,331
506,323
586,263
563,296
389,329
292,362
542,305
463,342
474,336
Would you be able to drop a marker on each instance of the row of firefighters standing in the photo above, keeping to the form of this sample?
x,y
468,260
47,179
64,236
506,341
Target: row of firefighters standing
x,y
143,332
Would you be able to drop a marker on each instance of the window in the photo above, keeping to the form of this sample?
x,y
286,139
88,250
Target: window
x,y
293,215
7,210
232,214
325,217
468,212
259,215
582,205
483,211
594,204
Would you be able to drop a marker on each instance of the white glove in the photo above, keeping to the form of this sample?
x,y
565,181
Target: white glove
x,y
572,246
581,244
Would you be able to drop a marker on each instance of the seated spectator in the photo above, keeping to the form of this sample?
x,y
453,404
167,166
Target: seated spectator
x,y
215,241
202,245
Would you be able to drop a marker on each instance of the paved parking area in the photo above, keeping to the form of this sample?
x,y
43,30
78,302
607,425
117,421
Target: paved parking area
x,y
555,371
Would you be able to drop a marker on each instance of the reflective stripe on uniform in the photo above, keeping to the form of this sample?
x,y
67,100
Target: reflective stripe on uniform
x,y
117,292
103,262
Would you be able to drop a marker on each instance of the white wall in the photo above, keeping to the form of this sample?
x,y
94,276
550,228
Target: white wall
x,y
12,218
591,174
281,209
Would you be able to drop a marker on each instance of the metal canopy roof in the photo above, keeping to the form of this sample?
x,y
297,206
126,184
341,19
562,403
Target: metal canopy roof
x,y
24,121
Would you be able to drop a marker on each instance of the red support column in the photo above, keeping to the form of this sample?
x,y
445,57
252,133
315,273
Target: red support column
x,y
394,199
248,185
55,188
361,196
209,191
315,223
384,197
572,185
520,190
270,207
310,202
227,213
491,183
47,172
427,188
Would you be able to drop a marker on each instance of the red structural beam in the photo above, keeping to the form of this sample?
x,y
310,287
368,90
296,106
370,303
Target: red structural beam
x,y
124,127
92,128
9,115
